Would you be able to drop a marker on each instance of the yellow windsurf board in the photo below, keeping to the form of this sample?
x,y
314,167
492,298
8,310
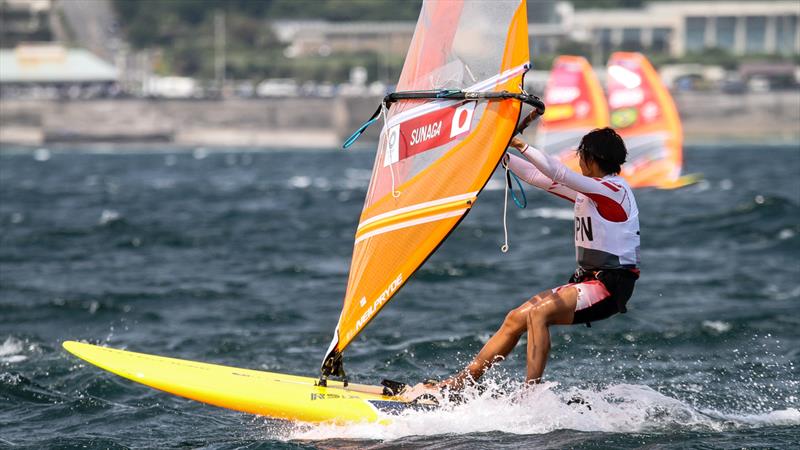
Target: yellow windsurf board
x,y
268,394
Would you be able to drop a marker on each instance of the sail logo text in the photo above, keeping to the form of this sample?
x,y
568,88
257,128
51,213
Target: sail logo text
x,y
426,132
378,303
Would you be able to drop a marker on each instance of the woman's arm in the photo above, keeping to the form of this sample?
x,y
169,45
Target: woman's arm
x,y
533,176
611,199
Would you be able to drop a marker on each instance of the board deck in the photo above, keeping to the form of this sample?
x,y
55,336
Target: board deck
x,y
268,394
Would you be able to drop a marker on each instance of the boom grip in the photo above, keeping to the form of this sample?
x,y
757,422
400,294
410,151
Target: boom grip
x,y
529,118
536,102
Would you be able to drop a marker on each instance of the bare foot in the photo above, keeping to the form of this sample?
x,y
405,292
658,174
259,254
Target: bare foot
x,y
419,390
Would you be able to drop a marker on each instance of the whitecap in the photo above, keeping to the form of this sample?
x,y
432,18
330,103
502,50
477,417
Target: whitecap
x,y
41,154
11,349
622,408
200,153
702,185
13,358
300,182
716,326
781,417
108,216
11,346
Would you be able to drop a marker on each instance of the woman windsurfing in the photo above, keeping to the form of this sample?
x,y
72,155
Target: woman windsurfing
x,y
607,251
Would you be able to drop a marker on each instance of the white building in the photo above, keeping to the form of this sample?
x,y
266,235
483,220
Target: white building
x,y
678,28
667,27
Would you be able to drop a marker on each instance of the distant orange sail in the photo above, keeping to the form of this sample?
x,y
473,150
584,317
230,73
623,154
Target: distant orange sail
x,y
434,155
576,105
644,114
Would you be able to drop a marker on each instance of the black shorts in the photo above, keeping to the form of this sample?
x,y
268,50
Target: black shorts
x,y
601,294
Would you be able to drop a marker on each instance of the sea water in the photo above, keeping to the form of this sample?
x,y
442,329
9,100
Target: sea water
x,y
241,258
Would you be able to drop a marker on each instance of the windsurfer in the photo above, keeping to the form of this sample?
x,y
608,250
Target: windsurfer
x,y
607,250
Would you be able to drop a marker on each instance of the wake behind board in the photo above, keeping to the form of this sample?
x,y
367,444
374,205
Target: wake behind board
x,y
268,394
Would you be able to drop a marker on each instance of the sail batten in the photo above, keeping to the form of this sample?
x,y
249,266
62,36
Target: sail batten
x,y
435,154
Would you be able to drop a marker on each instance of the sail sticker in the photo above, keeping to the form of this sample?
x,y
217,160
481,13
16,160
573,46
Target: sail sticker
x,y
626,77
563,94
428,131
462,119
392,154
559,112
625,117
624,98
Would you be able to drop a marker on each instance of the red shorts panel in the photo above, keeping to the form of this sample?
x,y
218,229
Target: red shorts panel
x,y
589,293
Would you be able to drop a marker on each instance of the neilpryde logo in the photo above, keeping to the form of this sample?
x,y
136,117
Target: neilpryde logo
x,y
378,302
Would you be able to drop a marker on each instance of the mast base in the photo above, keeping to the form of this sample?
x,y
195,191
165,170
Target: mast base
x,y
333,365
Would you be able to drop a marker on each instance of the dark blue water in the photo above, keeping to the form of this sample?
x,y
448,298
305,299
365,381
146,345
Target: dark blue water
x,y
241,258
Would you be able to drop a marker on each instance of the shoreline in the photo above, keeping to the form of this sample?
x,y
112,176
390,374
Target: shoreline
x,y
295,123
699,144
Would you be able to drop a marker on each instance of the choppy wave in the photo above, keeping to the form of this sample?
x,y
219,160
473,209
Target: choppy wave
x,y
241,258
621,408
13,351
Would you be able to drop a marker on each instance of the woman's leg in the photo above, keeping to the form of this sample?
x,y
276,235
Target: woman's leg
x,y
554,309
498,346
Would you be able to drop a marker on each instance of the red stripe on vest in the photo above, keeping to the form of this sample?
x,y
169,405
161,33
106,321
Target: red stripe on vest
x,y
609,209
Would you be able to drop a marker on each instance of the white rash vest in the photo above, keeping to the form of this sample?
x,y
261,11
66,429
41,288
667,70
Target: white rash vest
x,y
606,215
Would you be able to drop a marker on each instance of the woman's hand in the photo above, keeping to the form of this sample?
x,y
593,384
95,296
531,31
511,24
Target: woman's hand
x,y
518,143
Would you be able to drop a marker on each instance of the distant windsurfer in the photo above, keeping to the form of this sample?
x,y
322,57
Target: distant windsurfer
x,y
607,250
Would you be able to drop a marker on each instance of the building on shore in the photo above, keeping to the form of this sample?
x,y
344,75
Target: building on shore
x,y
681,28
51,71
674,28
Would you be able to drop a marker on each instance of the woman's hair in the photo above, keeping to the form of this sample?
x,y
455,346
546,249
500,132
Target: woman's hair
x,y
604,146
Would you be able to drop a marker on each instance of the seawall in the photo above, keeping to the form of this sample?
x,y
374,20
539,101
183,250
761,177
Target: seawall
x,y
318,122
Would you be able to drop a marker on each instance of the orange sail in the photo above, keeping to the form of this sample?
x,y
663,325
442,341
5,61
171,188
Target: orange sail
x,y
435,154
575,105
644,114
